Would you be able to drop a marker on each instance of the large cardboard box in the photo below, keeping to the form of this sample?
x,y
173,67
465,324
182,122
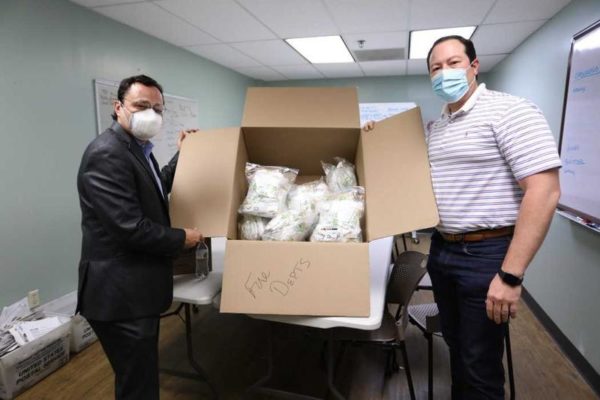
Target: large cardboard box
x,y
300,127
29,364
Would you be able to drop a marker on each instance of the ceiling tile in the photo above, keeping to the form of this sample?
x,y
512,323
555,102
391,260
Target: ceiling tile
x,y
224,54
340,70
502,38
270,52
292,18
416,67
156,22
382,40
224,19
305,71
431,14
96,3
359,16
253,29
262,73
519,10
384,68
487,63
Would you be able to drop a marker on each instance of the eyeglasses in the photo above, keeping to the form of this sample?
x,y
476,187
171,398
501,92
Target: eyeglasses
x,y
144,105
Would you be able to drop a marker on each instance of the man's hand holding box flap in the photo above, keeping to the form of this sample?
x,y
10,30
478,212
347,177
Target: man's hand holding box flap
x,y
299,128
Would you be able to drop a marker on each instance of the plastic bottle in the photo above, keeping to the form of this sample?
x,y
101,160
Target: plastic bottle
x,y
202,265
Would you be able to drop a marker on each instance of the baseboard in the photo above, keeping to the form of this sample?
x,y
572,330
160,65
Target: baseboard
x,y
583,366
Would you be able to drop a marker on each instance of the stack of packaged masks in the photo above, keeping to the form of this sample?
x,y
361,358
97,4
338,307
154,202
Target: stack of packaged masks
x,y
328,209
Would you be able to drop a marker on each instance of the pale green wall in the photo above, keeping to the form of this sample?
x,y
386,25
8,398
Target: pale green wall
x,y
50,51
565,274
415,89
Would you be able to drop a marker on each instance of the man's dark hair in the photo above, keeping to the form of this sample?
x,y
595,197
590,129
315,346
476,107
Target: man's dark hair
x,y
469,47
128,82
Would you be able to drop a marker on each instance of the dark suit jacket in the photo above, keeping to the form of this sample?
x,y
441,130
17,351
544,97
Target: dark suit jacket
x,y
125,271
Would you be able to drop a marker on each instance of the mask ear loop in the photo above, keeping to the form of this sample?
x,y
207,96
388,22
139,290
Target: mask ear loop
x,y
475,77
130,119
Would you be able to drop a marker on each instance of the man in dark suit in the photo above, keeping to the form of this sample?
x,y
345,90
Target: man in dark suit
x,y
125,272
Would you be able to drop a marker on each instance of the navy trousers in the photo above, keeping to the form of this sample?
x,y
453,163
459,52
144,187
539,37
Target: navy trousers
x,y
461,273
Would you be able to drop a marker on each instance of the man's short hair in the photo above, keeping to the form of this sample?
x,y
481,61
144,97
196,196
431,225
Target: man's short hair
x,y
128,82
469,47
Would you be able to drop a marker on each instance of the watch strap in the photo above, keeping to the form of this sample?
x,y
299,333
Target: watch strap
x,y
510,279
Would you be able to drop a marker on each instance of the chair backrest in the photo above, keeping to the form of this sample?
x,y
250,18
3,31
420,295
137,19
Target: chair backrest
x,y
407,272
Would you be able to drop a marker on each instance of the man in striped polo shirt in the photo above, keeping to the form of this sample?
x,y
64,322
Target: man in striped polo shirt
x,y
494,168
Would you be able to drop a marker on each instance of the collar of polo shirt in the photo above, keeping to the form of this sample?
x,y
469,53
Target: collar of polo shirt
x,y
469,104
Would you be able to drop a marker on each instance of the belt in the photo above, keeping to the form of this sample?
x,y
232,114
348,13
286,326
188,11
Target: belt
x,y
476,236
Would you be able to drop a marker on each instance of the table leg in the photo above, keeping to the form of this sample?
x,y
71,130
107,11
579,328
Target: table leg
x,y
176,312
331,367
199,372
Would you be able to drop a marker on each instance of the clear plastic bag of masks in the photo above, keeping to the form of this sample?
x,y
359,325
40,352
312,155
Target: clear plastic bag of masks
x,y
291,225
267,190
340,176
339,217
251,227
306,196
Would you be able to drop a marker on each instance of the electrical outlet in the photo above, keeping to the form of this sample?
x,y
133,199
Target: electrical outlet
x,y
33,298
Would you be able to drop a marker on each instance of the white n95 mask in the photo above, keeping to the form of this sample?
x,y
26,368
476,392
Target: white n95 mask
x,y
145,124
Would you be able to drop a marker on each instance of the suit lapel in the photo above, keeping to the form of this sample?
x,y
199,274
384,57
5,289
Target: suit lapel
x,y
137,151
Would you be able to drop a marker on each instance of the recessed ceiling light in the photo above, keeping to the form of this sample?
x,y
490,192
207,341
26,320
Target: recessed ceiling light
x,y
322,49
421,41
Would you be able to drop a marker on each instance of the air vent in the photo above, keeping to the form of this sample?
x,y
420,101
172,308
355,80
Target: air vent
x,y
379,54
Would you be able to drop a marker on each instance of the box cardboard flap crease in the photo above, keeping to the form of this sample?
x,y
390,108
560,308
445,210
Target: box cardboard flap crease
x,y
299,128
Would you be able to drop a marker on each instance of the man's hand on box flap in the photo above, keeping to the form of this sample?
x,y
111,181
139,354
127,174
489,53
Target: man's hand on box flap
x,y
183,134
369,126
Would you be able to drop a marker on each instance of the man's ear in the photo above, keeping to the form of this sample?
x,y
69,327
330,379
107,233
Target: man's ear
x,y
475,65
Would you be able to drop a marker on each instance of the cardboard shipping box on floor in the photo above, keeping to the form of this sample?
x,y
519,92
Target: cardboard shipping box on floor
x,y
299,128
29,364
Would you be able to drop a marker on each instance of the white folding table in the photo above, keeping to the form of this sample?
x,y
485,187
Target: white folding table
x,y
189,290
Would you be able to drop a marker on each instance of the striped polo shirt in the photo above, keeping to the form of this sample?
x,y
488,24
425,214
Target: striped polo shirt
x,y
479,153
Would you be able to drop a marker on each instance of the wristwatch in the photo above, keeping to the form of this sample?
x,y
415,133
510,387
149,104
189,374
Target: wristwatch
x,y
510,279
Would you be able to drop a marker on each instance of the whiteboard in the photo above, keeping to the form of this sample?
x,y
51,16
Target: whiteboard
x,y
180,113
379,111
580,132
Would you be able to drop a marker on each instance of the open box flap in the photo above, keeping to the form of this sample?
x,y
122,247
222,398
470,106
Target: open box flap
x,y
205,190
293,107
399,194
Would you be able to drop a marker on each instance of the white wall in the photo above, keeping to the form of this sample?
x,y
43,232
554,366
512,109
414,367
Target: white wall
x,y
564,276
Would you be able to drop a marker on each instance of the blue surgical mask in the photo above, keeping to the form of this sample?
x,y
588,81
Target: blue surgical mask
x,y
451,84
